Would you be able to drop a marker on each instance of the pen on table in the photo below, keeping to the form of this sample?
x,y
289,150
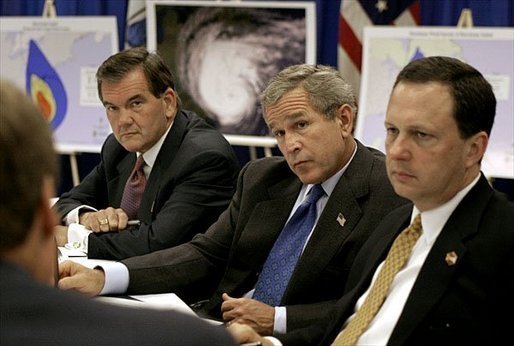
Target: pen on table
x,y
133,223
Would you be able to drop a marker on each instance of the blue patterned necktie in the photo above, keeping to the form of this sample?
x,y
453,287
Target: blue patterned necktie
x,y
284,255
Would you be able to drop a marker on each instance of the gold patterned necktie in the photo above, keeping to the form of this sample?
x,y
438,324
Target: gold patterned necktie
x,y
395,260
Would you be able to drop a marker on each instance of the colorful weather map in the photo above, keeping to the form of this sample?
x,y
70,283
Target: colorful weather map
x,y
55,60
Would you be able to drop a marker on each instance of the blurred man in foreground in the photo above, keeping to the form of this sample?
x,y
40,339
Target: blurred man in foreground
x,y
31,311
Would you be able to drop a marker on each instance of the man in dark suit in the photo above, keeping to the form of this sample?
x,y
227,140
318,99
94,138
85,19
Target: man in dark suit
x,y
190,169
32,312
311,112
456,285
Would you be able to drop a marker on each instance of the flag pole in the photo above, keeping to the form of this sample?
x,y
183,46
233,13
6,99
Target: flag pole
x,y
49,9
465,19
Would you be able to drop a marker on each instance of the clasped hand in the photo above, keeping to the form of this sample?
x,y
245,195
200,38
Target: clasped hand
x,y
104,220
250,312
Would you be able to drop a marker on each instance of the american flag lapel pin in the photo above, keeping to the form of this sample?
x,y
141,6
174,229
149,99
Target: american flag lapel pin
x,y
341,219
451,258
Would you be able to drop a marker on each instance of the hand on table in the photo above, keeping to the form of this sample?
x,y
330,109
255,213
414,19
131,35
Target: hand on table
x,y
247,311
104,220
243,333
76,277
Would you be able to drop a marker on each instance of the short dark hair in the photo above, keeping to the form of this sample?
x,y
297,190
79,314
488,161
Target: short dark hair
x,y
117,66
473,97
27,156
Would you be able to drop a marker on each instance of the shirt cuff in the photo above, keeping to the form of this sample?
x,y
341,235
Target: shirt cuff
x,y
274,341
116,278
73,216
78,237
280,322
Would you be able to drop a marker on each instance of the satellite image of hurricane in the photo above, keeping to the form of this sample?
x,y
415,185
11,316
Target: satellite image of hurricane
x,y
225,56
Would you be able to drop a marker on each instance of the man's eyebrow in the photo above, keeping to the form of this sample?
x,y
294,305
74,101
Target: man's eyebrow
x,y
137,96
130,99
289,117
294,116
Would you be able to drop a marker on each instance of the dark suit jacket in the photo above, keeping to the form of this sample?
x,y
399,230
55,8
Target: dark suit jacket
x,y
230,255
32,314
191,183
469,303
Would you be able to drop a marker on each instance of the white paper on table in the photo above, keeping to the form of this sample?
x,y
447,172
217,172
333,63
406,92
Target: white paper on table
x,y
164,301
67,252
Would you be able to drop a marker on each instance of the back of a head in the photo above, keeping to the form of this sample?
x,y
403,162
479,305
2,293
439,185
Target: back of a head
x,y
325,86
474,100
26,157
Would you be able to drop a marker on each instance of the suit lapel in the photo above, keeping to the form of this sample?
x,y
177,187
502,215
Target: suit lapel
x,y
373,254
162,165
339,217
436,273
117,185
272,213
327,237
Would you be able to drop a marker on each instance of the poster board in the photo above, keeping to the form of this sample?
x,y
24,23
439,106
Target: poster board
x,y
224,53
55,60
386,50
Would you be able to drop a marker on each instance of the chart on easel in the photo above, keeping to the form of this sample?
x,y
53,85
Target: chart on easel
x,y
386,50
55,60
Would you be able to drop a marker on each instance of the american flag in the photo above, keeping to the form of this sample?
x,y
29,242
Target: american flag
x,y
355,15
135,35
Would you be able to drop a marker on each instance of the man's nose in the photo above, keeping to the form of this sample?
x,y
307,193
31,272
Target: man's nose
x,y
292,143
398,149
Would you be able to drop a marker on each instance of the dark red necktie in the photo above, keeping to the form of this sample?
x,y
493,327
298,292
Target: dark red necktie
x,y
134,189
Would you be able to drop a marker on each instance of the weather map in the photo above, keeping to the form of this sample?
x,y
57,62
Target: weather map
x,y
386,50
54,60
224,54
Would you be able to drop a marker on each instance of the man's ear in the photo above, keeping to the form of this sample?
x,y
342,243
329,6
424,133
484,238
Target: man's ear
x,y
477,147
170,99
345,119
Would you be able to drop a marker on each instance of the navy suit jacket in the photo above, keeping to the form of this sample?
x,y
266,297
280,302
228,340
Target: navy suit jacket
x,y
191,183
468,303
33,314
230,255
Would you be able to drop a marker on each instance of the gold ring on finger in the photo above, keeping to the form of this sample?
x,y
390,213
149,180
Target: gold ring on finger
x,y
103,221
